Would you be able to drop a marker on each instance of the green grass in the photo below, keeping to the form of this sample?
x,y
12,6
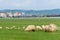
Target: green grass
x,y
15,34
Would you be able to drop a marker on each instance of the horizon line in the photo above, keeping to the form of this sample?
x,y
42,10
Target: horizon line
x,y
29,9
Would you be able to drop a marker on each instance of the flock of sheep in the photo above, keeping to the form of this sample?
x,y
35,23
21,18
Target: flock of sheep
x,y
46,28
12,27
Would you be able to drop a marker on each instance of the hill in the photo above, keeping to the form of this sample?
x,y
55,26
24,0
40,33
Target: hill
x,y
44,12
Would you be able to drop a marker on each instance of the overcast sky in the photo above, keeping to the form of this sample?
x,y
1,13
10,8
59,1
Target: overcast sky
x,y
30,4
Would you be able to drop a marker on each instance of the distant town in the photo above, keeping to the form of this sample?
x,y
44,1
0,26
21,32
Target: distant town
x,y
29,13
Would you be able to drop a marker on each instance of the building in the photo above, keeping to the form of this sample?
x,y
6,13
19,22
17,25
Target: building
x,y
9,14
3,15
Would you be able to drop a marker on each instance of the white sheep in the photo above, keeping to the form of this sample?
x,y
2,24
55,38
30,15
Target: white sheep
x,y
43,27
46,28
38,27
7,28
30,28
0,27
52,27
13,27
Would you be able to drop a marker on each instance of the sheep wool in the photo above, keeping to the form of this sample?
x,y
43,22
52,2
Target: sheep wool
x,y
30,28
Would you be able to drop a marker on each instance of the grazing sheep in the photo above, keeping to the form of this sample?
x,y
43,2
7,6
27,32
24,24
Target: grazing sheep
x,y
38,28
46,28
7,28
30,28
13,27
0,27
43,27
52,27
49,28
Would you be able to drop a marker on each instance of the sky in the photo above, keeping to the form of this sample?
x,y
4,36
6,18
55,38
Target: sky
x,y
30,4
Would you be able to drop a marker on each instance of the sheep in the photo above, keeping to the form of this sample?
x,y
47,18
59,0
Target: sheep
x,y
0,27
52,27
13,27
46,28
38,27
30,28
43,27
49,28
7,28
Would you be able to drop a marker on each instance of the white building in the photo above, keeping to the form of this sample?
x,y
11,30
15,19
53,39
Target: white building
x,y
17,14
9,14
3,15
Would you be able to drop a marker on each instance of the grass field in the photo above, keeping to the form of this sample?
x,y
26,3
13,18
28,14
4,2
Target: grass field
x,y
19,34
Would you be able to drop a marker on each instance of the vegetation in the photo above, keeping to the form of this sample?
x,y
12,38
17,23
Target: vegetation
x,y
19,34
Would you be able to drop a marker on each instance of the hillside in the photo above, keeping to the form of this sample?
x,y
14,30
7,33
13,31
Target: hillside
x,y
45,12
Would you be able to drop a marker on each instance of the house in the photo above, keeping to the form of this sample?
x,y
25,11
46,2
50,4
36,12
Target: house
x,y
9,14
3,15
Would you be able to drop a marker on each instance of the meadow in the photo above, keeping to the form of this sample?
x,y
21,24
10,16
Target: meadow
x,y
20,34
